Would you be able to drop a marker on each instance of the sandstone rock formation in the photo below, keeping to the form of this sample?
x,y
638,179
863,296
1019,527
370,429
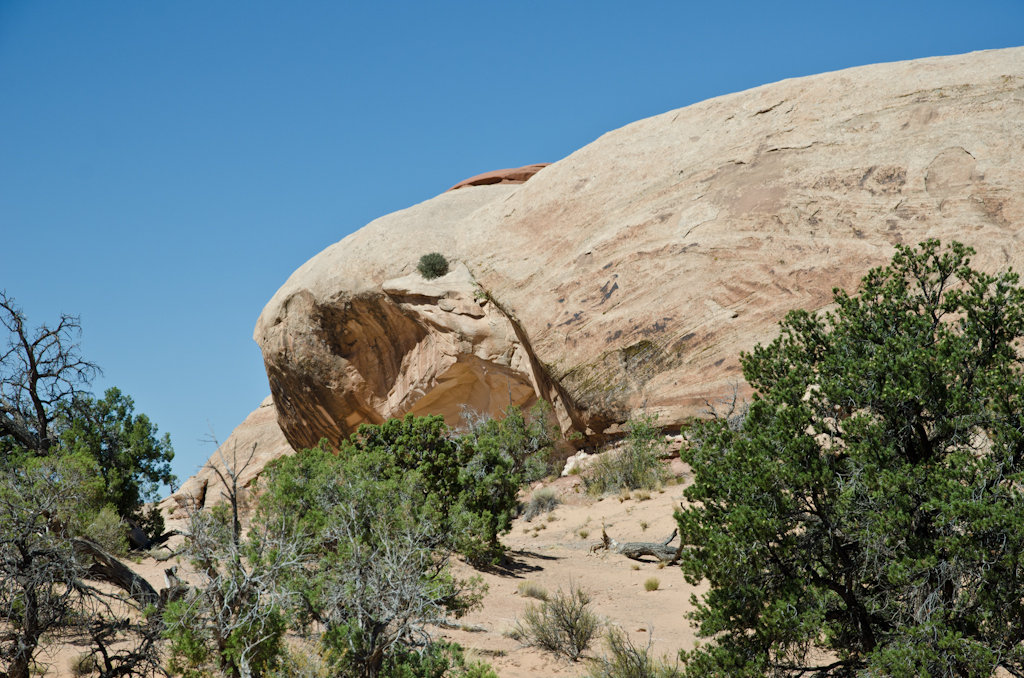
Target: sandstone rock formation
x,y
259,428
631,274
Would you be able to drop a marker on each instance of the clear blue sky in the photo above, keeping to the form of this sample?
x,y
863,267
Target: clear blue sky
x,y
165,166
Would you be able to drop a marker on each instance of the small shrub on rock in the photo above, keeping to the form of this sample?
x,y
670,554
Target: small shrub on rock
x,y
432,265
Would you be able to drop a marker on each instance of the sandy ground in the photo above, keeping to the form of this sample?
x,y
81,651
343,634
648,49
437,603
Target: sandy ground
x,y
554,551
557,556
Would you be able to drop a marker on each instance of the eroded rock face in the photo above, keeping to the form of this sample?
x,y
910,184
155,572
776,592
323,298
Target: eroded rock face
x,y
437,347
634,272
205,487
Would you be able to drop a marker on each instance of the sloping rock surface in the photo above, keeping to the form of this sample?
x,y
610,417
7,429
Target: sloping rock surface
x,y
205,488
634,272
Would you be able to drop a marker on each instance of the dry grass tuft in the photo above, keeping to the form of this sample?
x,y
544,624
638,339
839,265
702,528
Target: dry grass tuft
x,y
532,589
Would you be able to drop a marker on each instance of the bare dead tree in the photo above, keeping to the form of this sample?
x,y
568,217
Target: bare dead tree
x,y
229,476
730,407
39,370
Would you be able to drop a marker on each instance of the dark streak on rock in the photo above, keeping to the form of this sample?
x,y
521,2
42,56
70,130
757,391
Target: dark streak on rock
x,y
607,292
576,316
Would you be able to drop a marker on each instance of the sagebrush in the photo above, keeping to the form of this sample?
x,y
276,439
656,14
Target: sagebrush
x,y
564,624
543,500
626,659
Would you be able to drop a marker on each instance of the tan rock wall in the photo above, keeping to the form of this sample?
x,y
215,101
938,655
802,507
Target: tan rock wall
x,y
205,488
635,271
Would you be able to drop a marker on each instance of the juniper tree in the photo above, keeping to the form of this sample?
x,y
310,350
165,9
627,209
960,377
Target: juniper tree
x,y
867,518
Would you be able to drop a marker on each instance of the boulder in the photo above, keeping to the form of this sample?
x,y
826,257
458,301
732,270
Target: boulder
x,y
578,462
631,275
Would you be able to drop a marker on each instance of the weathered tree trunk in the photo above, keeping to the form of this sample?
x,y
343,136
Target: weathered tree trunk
x,y
105,567
637,549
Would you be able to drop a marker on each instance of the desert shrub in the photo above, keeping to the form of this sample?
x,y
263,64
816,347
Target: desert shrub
x,y
636,466
385,514
563,625
441,659
625,659
543,500
525,441
652,584
304,661
82,665
478,669
108,530
432,265
467,491
532,589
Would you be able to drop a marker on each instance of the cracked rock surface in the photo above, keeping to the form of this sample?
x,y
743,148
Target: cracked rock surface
x,y
631,274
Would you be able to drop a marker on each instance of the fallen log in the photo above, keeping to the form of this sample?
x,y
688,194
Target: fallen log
x,y
105,567
635,550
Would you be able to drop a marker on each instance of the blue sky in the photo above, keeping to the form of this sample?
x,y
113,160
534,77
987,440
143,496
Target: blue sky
x,y
165,166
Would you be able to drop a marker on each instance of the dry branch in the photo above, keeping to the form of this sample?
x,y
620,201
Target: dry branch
x,y
105,567
635,550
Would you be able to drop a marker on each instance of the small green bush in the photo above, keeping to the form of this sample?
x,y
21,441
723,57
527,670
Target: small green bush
x,y
652,584
563,625
637,466
543,500
439,659
432,265
108,530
